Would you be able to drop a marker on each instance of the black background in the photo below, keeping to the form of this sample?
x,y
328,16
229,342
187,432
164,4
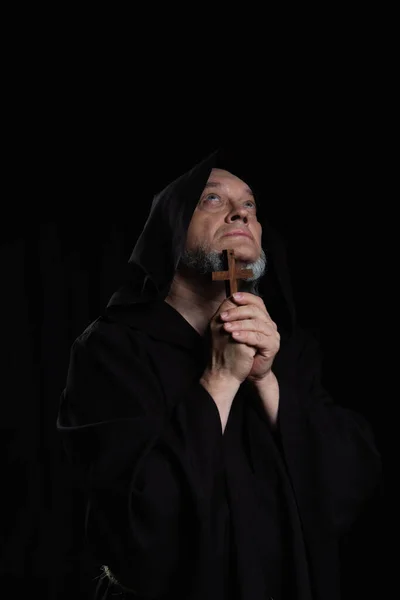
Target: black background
x,y
83,163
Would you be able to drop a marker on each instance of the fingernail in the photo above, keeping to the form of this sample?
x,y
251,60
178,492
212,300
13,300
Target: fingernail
x,y
224,314
238,295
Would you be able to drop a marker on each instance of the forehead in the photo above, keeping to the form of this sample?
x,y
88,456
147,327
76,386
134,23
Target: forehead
x,y
222,178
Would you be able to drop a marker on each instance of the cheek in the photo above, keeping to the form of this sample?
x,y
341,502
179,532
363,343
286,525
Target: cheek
x,y
258,234
200,231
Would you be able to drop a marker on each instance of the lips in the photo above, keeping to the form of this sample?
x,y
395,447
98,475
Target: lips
x,y
238,232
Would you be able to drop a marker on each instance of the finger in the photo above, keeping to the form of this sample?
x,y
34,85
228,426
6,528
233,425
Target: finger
x,y
251,325
243,298
246,312
264,343
248,298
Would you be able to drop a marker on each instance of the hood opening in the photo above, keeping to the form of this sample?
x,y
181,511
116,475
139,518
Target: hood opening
x,y
156,254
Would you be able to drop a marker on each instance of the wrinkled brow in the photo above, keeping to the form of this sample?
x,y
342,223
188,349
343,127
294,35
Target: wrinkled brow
x,y
217,184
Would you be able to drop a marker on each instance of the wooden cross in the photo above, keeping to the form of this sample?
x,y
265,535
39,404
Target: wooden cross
x,y
232,274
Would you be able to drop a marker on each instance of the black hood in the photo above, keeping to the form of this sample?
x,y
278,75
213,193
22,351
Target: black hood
x,y
155,257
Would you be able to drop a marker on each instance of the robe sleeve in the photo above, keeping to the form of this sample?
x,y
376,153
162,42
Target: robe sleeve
x,y
330,451
149,475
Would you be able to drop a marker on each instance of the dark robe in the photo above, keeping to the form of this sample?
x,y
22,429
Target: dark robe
x,y
176,509
179,510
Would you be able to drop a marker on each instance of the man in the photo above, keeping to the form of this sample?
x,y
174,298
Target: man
x,y
215,465
226,215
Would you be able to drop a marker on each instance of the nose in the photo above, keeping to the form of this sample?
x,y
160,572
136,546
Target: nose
x,y
239,213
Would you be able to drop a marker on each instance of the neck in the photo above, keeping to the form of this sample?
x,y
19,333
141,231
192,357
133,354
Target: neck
x,y
197,298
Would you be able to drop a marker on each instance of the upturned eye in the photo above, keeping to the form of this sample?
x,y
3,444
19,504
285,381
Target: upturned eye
x,y
212,197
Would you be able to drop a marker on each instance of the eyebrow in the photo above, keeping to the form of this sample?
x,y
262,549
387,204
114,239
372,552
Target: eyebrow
x,y
219,185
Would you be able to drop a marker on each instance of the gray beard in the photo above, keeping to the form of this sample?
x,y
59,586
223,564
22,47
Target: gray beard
x,y
206,262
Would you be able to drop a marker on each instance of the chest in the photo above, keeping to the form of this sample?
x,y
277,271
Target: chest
x,y
176,368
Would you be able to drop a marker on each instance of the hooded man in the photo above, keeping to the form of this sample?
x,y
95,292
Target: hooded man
x,y
213,462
